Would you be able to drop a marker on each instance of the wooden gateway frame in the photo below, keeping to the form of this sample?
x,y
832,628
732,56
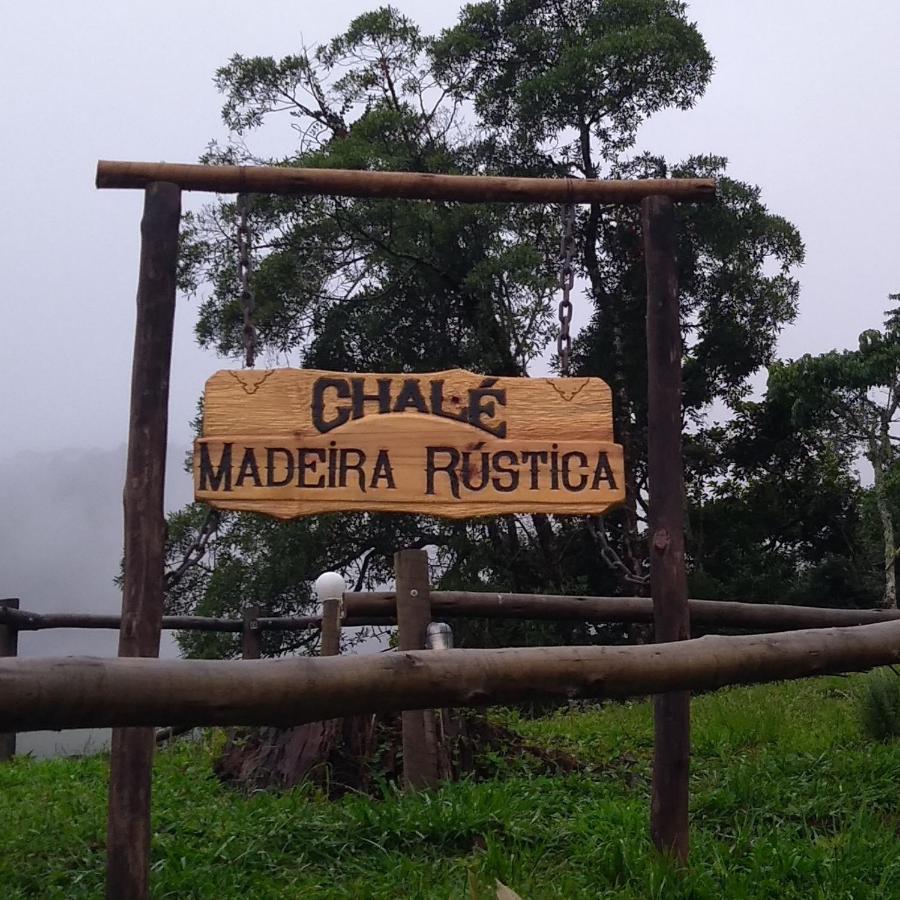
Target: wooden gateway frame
x,y
134,695
128,831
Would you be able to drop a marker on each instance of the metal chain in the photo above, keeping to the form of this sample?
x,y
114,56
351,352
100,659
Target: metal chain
x,y
597,530
566,282
244,272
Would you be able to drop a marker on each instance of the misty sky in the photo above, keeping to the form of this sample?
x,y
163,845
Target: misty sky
x,y
804,102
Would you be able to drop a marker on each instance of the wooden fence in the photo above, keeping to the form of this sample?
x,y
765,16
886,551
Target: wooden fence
x,y
412,612
379,608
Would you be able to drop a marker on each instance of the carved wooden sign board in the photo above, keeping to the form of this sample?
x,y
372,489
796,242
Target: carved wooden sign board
x,y
293,442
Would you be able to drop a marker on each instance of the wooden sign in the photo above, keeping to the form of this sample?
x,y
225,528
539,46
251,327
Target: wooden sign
x,y
292,442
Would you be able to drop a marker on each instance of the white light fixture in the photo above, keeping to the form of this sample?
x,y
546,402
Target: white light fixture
x,y
330,586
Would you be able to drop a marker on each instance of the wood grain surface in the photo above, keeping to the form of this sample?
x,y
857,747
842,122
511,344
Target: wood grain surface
x,y
292,442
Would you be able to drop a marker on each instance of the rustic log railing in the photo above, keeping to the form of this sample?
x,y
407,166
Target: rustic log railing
x,y
375,608
75,692
379,608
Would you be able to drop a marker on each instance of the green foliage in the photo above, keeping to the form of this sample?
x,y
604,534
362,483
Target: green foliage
x,y
776,513
537,67
528,87
852,397
879,705
788,799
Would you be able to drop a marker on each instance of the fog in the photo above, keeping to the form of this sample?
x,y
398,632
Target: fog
x,y
61,536
804,103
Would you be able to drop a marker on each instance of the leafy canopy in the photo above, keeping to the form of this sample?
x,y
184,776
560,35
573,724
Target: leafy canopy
x,y
546,88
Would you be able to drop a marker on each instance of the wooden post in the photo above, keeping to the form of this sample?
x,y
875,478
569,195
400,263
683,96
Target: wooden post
x,y
668,582
250,636
331,627
9,646
131,757
420,759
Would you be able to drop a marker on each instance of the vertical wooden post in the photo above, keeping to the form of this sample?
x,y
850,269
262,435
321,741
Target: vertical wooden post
x,y
668,582
331,627
250,636
420,759
9,646
131,758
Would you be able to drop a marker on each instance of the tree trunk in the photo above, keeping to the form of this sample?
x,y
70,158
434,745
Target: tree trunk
x,y
878,458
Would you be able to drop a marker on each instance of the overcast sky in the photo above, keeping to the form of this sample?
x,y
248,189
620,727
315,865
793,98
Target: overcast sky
x,y
804,102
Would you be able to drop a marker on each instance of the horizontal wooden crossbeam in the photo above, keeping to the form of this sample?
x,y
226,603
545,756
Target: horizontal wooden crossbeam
x,y
380,608
75,693
398,185
580,608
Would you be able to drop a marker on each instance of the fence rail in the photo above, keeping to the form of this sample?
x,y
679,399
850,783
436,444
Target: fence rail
x,y
72,692
380,608
24,620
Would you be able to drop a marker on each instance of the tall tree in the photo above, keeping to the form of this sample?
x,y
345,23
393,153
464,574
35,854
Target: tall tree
x,y
545,87
775,511
855,395
582,77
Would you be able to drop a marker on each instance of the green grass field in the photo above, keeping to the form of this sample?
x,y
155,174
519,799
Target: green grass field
x,y
789,800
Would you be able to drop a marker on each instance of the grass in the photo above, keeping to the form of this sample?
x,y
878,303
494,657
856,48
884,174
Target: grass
x,y
789,800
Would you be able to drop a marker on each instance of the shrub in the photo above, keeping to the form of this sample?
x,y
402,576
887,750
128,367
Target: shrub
x,y
880,705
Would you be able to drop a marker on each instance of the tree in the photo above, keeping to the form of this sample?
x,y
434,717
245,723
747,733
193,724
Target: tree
x,y
775,512
545,88
854,395
585,75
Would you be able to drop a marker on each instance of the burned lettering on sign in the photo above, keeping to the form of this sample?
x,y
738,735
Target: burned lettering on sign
x,y
337,400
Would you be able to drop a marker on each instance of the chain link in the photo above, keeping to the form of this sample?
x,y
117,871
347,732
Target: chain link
x,y
597,530
566,283
244,272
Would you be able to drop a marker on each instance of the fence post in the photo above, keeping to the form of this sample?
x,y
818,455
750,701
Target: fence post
x,y
420,758
9,646
250,636
668,582
131,755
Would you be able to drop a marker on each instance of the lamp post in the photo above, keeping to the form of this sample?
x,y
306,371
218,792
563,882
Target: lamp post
x,y
330,587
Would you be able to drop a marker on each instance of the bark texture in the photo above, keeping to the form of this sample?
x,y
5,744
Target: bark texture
x,y
72,692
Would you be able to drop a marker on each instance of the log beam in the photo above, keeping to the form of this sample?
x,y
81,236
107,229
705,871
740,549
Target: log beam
x,y
24,620
402,185
71,692
379,608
